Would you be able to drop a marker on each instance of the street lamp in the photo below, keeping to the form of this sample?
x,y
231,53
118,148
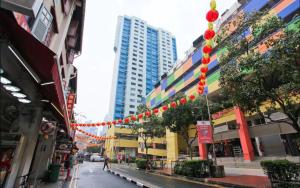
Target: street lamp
x,y
212,128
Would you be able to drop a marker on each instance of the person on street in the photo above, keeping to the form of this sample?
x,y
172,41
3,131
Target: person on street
x,y
67,167
106,159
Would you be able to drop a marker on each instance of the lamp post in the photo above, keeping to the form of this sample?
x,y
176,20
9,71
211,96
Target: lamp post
x,y
212,128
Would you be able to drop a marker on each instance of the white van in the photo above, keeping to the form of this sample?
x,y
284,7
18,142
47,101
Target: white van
x,y
96,158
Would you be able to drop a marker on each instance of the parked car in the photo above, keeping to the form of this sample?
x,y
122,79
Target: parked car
x,y
96,158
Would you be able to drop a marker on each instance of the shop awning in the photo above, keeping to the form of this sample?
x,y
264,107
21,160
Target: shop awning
x,y
40,59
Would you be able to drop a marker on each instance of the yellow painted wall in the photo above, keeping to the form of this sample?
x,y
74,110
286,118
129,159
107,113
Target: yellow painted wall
x,y
154,140
126,143
110,144
156,152
172,146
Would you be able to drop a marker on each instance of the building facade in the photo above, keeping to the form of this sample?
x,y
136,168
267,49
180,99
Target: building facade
x,y
143,55
125,145
38,41
236,135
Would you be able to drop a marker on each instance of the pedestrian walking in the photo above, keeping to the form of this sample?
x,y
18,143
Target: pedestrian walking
x,y
67,165
106,160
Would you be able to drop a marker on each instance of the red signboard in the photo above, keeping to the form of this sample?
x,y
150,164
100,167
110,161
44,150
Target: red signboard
x,y
204,132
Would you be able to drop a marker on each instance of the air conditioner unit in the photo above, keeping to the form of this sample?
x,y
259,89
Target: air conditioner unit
x,y
42,24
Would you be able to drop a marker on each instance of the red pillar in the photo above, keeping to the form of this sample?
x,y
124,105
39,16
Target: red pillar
x,y
202,151
244,134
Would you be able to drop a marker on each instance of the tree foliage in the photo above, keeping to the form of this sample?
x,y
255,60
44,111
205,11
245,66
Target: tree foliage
x,y
263,68
93,149
179,119
147,128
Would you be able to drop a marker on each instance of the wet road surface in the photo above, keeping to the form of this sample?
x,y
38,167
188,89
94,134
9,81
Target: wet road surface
x,y
91,175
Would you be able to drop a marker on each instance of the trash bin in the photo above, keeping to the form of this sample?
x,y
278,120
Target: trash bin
x,y
53,172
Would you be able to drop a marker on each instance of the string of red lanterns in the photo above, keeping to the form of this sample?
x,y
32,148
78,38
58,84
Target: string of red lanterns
x,y
134,118
211,16
94,136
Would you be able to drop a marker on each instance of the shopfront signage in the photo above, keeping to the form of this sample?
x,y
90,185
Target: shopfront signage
x,y
222,128
221,113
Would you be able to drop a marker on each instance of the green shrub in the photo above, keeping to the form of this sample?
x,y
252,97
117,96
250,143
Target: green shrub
x,y
131,160
194,168
282,173
141,163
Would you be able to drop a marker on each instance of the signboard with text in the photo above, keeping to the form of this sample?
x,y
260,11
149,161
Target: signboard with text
x,y
204,130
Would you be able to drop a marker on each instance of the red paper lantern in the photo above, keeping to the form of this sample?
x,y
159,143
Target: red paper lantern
x,y
209,34
127,120
202,77
207,49
108,123
103,123
173,104
155,111
205,60
202,83
133,118
204,69
140,116
165,108
114,122
212,15
192,97
183,100
148,113
120,121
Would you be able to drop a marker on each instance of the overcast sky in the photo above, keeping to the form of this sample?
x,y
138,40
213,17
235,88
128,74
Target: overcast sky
x,y
185,19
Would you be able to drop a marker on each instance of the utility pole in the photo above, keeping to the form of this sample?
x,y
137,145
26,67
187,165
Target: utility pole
x,y
212,128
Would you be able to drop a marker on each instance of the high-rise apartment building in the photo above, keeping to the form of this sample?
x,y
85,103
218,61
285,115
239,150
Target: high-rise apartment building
x,y
143,54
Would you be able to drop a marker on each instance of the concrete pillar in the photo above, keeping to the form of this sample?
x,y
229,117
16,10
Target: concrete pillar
x,y
18,155
245,139
28,122
31,134
42,158
172,146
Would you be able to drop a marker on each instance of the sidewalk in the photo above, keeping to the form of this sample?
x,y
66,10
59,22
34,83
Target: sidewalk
x,y
234,177
61,183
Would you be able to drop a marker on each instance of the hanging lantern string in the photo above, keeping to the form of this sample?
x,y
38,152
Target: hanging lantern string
x,y
137,118
211,16
94,136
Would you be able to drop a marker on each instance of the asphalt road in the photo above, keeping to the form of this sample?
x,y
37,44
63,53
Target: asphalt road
x,y
91,175
159,180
